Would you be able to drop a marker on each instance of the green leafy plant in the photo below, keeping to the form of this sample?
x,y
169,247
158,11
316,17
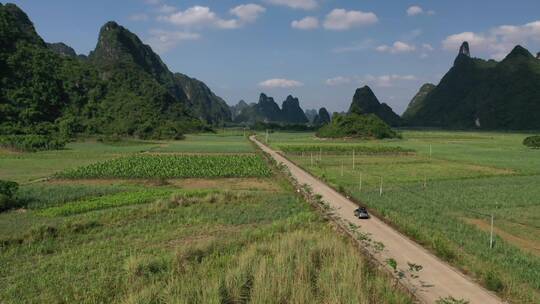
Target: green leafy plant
x,y
532,142
7,194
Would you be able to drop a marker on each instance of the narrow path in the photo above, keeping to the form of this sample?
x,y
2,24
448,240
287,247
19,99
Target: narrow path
x,y
435,281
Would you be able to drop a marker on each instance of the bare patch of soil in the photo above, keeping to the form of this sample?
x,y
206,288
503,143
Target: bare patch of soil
x,y
527,245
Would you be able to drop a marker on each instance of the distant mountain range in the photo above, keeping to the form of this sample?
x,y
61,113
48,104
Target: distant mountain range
x,y
267,110
480,94
122,87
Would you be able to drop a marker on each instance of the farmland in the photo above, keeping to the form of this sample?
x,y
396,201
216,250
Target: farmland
x,y
129,225
443,195
174,166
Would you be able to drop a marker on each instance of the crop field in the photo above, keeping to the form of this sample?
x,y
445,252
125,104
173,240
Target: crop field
x,y
26,167
173,166
443,195
125,223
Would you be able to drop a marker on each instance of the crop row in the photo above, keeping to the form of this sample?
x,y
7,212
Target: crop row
x,y
359,149
108,201
173,166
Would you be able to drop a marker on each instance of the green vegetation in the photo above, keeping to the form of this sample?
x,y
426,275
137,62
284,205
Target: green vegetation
x,y
356,126
365,102
188,246
480,94
532,142
342,148
173,166
45,195
24,167
7,194
209,143
31,143
104,202
443,196
122,88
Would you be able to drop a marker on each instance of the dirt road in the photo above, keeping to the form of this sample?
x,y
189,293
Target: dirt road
x,y
436,280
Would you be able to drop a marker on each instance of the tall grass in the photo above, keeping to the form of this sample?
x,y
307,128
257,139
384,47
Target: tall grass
x,y
217,247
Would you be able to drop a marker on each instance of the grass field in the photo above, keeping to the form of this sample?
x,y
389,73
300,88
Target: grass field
x,y
107,239
25,167
445,198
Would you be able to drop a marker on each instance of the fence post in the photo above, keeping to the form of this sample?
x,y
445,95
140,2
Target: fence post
x,y
380,190
360,185
491,234
353,160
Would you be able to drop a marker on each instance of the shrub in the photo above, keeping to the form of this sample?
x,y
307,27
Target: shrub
x,y
532,142
31,143
357,126
493,282
7,195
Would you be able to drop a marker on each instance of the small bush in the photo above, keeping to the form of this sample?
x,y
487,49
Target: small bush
x,y
532,142
31,143
7,195
493,282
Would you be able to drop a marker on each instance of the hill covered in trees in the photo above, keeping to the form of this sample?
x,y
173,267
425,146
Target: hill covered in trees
x,y
365,102
482,94
367,118
123,87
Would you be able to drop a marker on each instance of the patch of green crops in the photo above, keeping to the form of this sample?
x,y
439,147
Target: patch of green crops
x,y
173,166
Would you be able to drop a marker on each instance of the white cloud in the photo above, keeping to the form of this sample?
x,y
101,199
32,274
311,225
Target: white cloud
x,y
280,83
296,4
498,41
386,81
139,17
307,23
415,10
428,47
340,19
397,47
248,12
163,41
202,16
339,80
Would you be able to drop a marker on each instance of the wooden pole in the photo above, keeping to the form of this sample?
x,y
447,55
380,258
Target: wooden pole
x,y
341,168
380,190
320,154
353,160
312,158
360,184
491,234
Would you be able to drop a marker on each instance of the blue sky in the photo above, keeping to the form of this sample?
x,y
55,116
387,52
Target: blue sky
x,y
317,50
